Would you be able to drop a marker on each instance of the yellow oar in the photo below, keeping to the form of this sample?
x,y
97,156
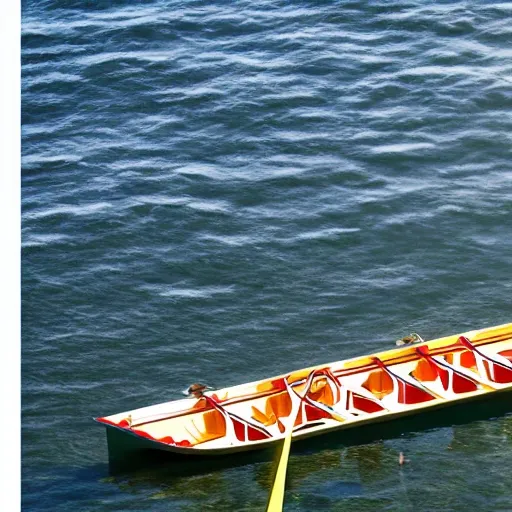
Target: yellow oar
x,y
275,502
276,499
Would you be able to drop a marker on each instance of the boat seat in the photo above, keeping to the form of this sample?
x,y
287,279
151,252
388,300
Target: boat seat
x,y
425,371
276,406
379,383
213,426
428,371
507,354
466,357
468,360
321,392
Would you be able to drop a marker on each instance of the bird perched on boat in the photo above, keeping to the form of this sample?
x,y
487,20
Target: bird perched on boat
x,y
196,390
409,340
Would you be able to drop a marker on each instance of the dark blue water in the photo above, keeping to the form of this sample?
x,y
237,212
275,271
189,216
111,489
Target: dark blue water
x,y
227,191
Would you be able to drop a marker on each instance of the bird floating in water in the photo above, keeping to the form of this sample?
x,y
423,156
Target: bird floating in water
x,y
401,459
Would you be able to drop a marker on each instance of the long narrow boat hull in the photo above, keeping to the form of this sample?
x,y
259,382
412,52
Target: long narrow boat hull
x,y
336,397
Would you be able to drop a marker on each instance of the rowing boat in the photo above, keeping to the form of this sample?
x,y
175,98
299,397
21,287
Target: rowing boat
x,y
325,398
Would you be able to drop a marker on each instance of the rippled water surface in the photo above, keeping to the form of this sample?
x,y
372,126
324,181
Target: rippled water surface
x,y
227,191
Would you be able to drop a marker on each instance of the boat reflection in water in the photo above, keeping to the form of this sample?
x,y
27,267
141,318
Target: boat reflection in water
x,y
323,472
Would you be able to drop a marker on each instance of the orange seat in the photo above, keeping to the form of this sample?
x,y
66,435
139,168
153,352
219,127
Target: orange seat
x,y
467,359
425,371
321,392
214,427
276,406
379,383
507,354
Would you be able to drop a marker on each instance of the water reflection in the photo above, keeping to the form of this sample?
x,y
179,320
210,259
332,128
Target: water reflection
x,y
320,477
507,428
299,467
313,479
481,437
369,460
